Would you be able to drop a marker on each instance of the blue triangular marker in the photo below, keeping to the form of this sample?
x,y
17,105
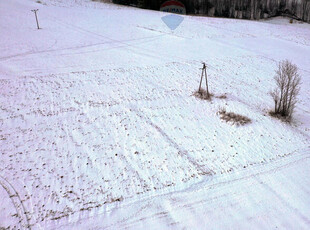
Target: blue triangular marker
x,y
172,21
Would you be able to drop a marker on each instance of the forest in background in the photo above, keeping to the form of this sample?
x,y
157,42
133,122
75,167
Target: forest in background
x,y
243,9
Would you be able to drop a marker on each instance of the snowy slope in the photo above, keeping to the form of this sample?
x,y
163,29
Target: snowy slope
x,y
98,120
257,198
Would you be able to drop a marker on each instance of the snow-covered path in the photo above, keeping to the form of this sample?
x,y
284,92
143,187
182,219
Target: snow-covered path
x,y
97,118
255,198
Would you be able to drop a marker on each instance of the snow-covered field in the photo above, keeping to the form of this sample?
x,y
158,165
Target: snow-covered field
x,y
99,128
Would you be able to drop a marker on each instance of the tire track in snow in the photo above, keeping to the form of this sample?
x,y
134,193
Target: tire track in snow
x,y
133,48
146,39
131,221
17,202
283,201
86,32
255,173
182,152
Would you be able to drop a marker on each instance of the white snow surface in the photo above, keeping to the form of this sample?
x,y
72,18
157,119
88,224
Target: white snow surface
x,y
99,128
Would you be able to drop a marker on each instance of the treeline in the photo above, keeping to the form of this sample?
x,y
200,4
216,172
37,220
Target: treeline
x,y
247,9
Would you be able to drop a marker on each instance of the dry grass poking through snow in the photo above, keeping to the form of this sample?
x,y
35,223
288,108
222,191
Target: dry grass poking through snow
x,y
280,117
203,95
223,96
233,118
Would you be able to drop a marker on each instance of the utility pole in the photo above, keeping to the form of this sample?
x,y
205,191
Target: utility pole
x,y
204,72
35,12
201,77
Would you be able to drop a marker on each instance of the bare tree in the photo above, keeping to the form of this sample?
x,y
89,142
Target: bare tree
x,y
294,5
287,88
250,9
305,9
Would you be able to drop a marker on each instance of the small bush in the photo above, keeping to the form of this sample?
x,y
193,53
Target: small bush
x,y
280,117
287,88
233,118
203,94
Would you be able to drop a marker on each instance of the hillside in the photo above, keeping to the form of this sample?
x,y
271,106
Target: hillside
x,y
99,127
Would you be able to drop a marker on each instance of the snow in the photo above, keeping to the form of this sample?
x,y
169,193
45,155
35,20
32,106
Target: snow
x,y
252,198
99,127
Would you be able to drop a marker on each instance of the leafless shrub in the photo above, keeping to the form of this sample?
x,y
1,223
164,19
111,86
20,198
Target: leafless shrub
x,y
287,88
233,118
279,116
203,94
